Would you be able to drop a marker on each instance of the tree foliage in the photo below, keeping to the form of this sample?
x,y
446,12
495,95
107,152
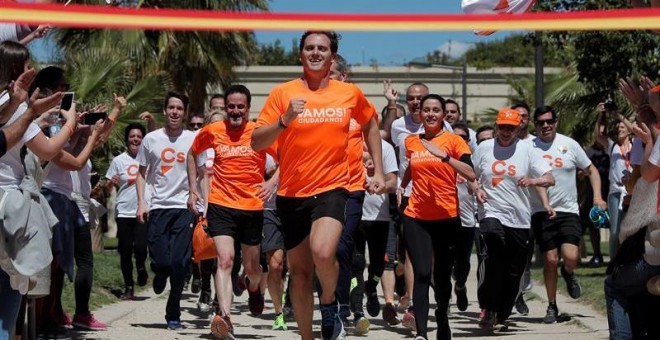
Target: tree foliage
x,y
512,51
603,57
276,55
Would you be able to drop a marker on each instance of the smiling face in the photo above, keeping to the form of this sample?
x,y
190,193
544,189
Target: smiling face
x,y
134,140
414,97
175,113
432,115
506,134
546,127
316,56
238,109
622,131
452,114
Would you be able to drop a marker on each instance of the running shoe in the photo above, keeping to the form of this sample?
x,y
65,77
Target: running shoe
x,y
331,326
390,315
195,286
572,284
255,301
279,322
221,328
127,294
174,325
361,324
551,314
88,322
159,283
409,319
373,305
488,320
521,305
461,298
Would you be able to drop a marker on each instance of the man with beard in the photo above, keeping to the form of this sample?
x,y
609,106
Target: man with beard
x,y
309,118
163,152
561,234
235,209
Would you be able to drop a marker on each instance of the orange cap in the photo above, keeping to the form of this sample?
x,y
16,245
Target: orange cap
x,y
508,117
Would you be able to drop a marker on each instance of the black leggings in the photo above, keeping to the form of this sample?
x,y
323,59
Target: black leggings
x,y
374,233
82,253
426,240
132,237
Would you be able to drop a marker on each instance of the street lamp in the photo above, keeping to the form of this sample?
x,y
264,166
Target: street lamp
x,y
420,63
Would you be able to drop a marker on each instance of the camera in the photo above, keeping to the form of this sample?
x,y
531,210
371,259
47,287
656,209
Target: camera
x,y
610,106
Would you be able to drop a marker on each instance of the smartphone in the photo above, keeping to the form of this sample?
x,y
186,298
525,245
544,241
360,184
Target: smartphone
x,y
92,117
66,102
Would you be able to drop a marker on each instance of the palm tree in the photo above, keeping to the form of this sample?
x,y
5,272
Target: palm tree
x,y
194,61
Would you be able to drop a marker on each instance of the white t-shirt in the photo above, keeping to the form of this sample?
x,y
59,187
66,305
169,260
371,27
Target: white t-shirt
x,y
654,158
565,156
165,160
58,180
637,152
498,169
127,168
82,188
13,32
402,128
618,164
270,204
473,139
11,166
466,202
377,207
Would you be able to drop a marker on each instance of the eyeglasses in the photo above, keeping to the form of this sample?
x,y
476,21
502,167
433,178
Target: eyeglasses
x,y
506,127
544,121
195,125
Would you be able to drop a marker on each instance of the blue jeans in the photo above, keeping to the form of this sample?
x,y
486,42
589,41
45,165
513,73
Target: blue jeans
x,y
621,289
345,250
11,303
616,216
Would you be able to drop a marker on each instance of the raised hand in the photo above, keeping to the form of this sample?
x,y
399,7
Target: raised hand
x,y
19,89
119,102
391,94
296,107
42,105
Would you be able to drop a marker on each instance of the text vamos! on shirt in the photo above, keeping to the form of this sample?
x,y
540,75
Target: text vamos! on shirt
x,y
323,115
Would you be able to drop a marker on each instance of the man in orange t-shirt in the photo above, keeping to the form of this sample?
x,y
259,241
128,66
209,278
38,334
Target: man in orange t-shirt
x,y
235,209
309,117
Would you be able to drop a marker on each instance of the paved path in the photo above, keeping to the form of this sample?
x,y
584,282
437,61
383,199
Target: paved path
x,y
143,319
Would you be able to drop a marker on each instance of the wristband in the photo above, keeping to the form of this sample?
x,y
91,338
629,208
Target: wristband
x,y
280,123
446,158
70,129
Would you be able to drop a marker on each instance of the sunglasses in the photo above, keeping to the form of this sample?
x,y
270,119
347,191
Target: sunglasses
x,y
194,125
544,121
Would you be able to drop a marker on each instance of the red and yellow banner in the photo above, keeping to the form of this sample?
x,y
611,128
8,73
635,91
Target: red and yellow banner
x,y
77,16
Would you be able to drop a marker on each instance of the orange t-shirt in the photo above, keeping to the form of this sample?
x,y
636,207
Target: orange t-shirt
x,y
434,195
313,153
237,169
356,170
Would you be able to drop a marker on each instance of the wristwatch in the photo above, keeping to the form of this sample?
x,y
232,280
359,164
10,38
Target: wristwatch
x,y
446,158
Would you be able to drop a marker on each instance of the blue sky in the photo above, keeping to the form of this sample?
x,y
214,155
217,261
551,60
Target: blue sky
x,y
387,48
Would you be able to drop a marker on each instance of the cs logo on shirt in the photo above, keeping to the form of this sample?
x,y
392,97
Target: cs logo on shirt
x,y
169,156
499,169
132,172
556,162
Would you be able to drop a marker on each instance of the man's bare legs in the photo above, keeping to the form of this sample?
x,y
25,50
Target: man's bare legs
x,y
224,247
321,244
275,287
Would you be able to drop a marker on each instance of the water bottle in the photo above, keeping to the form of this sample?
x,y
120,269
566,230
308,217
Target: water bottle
x,y
56,125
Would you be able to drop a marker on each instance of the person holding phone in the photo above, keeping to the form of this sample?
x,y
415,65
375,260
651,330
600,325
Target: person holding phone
x,y
15,61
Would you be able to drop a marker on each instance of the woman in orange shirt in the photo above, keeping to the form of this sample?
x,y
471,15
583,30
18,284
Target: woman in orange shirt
x,y
432,220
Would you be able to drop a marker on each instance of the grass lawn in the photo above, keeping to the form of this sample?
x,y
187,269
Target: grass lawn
x,y
108,283
591,280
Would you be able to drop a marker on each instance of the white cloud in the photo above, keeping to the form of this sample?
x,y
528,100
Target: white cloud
x,y
455,49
